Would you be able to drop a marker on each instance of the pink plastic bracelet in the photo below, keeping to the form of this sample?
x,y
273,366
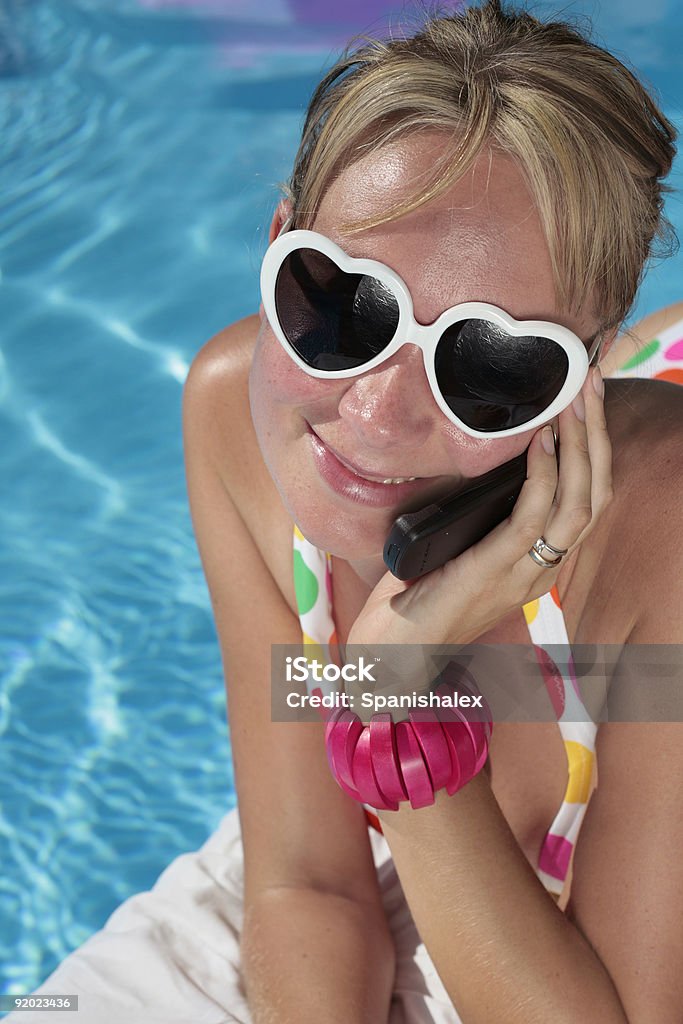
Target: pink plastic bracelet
x,y
385,763
385,759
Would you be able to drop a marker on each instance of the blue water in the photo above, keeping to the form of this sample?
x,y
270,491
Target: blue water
x,y
141,150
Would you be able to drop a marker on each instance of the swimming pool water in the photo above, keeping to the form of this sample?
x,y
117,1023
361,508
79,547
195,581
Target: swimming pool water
x,y
142,146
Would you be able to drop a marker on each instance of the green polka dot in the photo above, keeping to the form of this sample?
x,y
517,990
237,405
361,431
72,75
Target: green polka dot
x,y
305,585
642,355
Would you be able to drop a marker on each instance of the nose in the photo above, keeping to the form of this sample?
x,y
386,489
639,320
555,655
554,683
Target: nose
x,y
392,405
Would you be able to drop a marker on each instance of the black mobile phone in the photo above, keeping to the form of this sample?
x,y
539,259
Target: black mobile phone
x,y
427,539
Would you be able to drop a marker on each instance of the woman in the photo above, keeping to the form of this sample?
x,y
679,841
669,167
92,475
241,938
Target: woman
x,y
558,154
489,159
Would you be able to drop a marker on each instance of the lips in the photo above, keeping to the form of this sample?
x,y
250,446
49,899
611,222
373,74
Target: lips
x,y
347,482
381,478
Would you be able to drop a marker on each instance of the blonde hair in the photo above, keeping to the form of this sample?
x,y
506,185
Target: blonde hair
x,y
591,143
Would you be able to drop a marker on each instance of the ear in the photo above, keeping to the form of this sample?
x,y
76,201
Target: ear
x,y
284,211
607,343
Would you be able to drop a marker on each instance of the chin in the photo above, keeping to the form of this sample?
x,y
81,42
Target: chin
x,y
347,536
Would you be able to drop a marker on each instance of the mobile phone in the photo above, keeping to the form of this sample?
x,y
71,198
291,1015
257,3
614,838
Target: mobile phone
x,y
425,540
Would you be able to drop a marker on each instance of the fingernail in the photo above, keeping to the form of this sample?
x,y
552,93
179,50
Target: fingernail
x,y
579,408
598,382
547,440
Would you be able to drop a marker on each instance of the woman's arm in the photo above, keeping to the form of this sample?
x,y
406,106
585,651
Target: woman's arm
x,y
311,956
503,949
316,944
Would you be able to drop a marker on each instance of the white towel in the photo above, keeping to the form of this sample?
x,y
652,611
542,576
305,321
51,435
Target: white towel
x,y
171,955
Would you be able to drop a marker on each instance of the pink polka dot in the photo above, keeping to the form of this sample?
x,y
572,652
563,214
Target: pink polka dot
x,y
674,351
572,676
553,680
555,856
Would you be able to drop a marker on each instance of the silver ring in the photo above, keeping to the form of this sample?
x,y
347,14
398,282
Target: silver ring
x,y
537,554
543,543
541,561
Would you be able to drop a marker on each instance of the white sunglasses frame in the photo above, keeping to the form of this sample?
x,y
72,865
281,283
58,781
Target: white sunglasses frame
x,y
425,336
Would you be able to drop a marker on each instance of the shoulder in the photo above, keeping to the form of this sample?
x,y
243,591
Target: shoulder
x,y
220,442
645,424
220,368
643,415
216,413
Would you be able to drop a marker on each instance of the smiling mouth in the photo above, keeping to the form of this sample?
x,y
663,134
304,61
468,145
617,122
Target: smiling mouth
x,y
398,493
375,478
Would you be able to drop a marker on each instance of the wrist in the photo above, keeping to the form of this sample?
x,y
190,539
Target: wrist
x,y
386,763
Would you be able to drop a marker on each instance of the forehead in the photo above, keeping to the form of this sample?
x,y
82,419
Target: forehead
x,y
481,240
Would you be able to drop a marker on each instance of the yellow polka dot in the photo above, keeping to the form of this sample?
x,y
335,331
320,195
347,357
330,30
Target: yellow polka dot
x,y
580,772
313,650
531,610
298,534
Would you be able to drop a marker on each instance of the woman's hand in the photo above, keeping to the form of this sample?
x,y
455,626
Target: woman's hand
x,y
470,594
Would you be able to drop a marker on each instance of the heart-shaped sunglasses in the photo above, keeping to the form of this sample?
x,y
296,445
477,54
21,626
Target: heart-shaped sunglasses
x,y
338,316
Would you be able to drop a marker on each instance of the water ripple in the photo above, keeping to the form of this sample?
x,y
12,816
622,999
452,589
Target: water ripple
x,y
115,501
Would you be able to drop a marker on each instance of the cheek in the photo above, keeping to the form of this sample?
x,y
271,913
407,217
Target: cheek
x,y
281,396
474,456
276,377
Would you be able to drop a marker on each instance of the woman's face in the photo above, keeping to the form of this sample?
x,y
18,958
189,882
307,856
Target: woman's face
x,y
480,241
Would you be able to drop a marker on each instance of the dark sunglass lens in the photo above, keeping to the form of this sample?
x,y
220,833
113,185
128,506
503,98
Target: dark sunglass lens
x,y
493,380
332,320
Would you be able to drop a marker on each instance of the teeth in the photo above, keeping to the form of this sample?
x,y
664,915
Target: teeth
x,y
390,480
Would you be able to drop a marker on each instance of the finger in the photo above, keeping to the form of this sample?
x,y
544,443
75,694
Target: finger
x,y
572,510
600,449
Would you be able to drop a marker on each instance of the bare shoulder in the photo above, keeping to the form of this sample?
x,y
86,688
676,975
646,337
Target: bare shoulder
x,y
644,417
645,423
221,365
638,575
216,399
216,409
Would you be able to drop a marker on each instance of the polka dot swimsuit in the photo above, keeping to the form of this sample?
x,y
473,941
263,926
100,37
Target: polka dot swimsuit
x,y
660,359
